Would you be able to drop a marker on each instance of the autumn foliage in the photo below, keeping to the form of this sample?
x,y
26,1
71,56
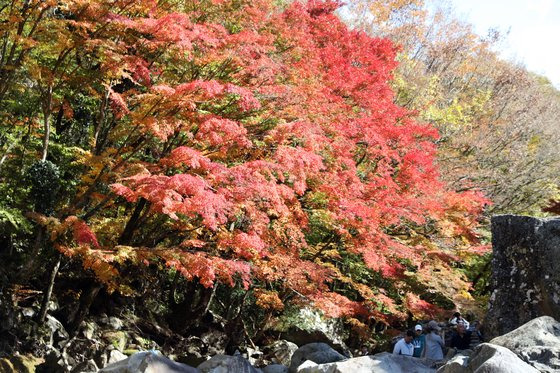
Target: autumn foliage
x,y
254,145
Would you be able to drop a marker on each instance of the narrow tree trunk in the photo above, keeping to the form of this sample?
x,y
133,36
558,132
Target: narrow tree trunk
x,y
132,224
48,292
86,299
5,156
47,108
100,120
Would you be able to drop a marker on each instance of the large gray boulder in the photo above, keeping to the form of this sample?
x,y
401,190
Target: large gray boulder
x,y
227,364
525,280
310,326
536,342
275,368
457,364
319,353
148,362
488,358
380,363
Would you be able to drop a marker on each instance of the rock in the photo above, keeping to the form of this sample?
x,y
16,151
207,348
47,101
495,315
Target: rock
x,y
253,355
227,364
489,358
117,339
58,333
28,312
380,363
195,350
148,362
319,353
309,326
54,363
115,323
275,368
306,364
88,366
280,352
215,342
537,343
18,364
457,363
525,281
88,329
115,356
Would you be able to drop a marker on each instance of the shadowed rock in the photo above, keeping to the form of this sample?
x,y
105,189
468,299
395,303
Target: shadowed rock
x,y
525,280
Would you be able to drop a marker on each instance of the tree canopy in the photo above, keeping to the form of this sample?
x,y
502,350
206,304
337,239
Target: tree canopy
x,y
258,144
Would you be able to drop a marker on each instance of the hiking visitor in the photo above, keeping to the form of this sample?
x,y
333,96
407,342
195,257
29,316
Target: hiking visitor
x,y
434,342
457,318
404,346
419,341
461,338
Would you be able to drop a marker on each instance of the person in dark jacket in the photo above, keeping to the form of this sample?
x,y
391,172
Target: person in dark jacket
x,y
419,341
461,338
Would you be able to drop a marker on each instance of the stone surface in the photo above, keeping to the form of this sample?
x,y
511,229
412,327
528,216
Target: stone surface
x,y
115,323
380,363
319,353
57,331
457,363
148,362
115,356
18,364
525,280
88,329
253,355
227,364
489,358
275,368
306,364
117,339
310,326
536,342
280,352
88,366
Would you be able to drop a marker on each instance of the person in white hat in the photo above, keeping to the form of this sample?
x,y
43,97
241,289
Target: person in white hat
x,y
419,341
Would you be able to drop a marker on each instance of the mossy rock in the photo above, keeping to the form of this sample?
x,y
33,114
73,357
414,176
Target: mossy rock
x,y
130,351
19,364
118,339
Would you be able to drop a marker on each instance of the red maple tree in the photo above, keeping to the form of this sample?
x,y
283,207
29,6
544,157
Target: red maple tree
x,y
254,143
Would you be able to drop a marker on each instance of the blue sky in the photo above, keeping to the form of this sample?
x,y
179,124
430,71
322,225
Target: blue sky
x,y
534,30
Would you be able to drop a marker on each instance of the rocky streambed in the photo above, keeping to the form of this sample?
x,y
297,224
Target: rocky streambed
x,y
533,347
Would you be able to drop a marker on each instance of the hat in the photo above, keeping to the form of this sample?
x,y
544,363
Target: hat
x,y
418,327
433,325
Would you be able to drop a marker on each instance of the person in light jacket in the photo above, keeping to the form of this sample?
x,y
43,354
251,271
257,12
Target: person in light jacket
x,y
404,346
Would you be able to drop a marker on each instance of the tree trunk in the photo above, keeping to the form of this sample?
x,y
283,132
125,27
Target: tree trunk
x,y
99,121
48,292
132,224
47,108
86,299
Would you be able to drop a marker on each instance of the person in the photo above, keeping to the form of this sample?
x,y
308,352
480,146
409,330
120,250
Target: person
x,y
461,338
419,341
458,318
364,351
434,342
404,346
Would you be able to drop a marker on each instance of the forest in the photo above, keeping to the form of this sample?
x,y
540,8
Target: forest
x,y
196,162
